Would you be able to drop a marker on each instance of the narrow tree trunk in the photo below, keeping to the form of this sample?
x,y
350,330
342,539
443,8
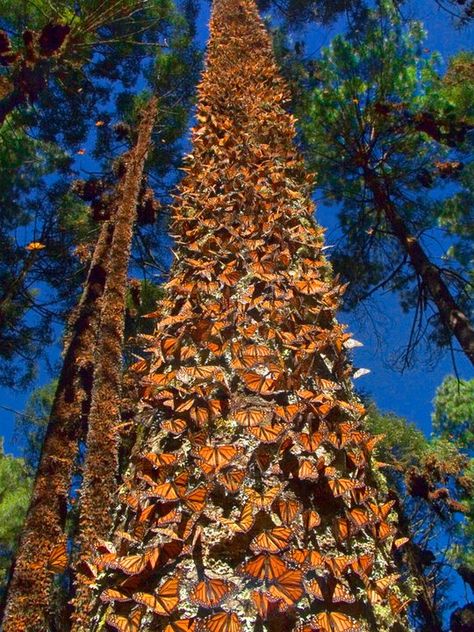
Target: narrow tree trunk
x,y
100,469
249,501
451,315
28,594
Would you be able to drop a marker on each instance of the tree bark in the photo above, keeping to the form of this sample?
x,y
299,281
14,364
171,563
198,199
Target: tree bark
x,y
100,468
251,473
451,315
29,588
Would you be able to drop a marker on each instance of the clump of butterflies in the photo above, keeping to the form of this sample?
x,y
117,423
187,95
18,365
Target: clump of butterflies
x,y
252,496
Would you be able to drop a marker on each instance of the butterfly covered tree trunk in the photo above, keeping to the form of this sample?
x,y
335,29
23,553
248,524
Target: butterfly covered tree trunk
x,y
101,460
43,532
250,501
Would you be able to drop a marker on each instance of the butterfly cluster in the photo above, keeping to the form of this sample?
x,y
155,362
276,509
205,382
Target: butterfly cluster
x,y
251,496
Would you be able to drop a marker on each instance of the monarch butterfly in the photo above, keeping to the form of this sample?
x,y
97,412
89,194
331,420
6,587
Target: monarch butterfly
x,y
311,519
396,604
231,479
382,531
311,286
307,470
164,601
305,558
272,540
125,624
196,499
310,442
160,460
378,589
359,518
338,564
214,458
287,509
114,595
362,565
342,529
204,412
329,590
268,433
245,521
210,593
136,564
399,542
222,622
335,622
264,603
381,511
262,384
166,514
340,486
57,561
35,245
288,587
265,566
287,413
263,500
250,416
181,625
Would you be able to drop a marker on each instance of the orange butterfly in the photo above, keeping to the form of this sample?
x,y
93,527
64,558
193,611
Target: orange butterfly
x,y
222,622
113,595
263,384
307,470
305,558
340,486
268,433
396,604
288,587
245,521
335,622
125,624
272,540
359,518
164,601
264,602
377,590
363,565
231,479
263,500
311,519
311,286
338,564
136,564
287,509
181,625
329,590
250,416
196,499
342,529
381,511
166,513
214,458
382,531
57,561
287,413
35,245
210,593
160,460
264,566
310,442
174,426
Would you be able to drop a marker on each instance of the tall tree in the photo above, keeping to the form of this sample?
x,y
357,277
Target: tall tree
x,y
379,127
250,495
101,462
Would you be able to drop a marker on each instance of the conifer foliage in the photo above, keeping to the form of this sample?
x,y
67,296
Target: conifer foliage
x,y
250,499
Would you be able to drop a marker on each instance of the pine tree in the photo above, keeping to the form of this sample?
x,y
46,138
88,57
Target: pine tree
x,y
251,494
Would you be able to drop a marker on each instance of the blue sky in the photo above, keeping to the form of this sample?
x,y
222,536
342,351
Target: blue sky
x,y
409,394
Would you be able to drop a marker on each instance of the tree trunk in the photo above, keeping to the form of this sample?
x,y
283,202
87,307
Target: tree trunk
x,y
28,594
100,468
250,495
453,317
